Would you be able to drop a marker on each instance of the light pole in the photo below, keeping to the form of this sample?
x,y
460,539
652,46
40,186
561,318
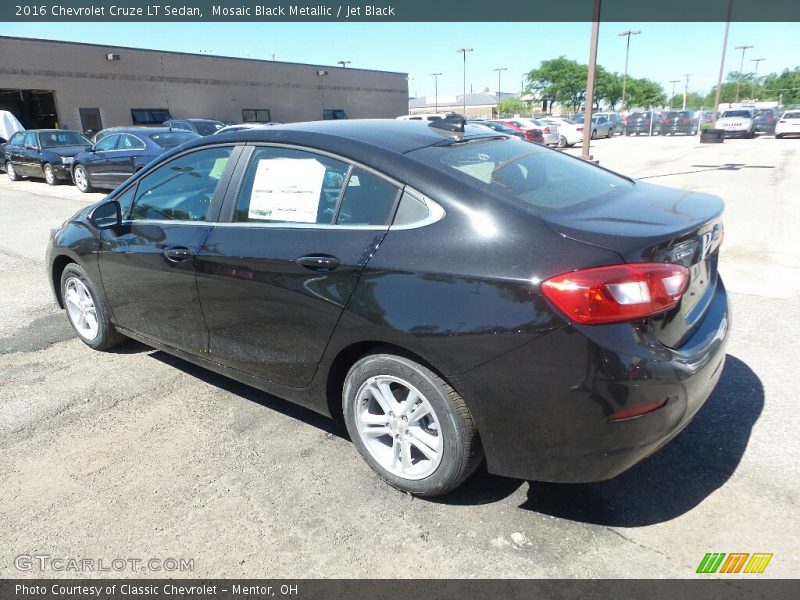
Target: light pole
x,y
741,66
587,112
755,76
464,52
715,108
436,92
628,34
672,97
685,90
344,63
499,72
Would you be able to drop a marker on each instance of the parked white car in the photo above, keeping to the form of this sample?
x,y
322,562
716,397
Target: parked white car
x,y
569,133
425,117
788,124
738,121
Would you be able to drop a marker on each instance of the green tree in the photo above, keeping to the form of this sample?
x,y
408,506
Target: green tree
x,y
644,92
784,87
608,88
512,106
559,80
693,100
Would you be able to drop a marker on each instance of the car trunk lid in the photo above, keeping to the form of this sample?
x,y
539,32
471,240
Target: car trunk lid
x,y
650,223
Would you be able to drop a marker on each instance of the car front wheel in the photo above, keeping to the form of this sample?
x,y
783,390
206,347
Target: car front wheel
x,y
81,179
49,174
11,171
86,311
409,425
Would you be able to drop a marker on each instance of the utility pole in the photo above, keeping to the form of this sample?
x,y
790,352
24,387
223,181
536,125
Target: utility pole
x,y
715,108
436,92
587,113
499,72
628,34
755,77
464,52
685,90
672,97
741,66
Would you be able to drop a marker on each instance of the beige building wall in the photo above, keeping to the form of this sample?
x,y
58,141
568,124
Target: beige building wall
x,y
192,85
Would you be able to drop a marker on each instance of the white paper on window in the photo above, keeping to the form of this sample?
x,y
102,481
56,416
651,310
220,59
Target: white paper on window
x,y
287,189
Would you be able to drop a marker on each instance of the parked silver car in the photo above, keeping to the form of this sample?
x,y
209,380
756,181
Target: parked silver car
x,y
601,126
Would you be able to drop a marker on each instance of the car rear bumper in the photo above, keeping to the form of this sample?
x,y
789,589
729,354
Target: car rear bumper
x,y
543,410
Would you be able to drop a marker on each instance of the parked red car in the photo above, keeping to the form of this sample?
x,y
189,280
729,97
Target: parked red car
x,y
532,134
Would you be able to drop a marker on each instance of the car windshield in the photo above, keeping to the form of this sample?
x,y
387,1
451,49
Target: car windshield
x,y
536,177
54,139
170,139
736,113
207,127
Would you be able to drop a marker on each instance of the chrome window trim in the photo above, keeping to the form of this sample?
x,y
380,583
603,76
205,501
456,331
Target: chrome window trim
x,y
435,212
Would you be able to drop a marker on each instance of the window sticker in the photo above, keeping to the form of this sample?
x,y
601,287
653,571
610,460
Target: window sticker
x,y
287,189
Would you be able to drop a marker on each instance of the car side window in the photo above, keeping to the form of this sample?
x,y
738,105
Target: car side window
x,y
16,140
368,200
107,143
30,139
181,189
284,185
130,142
125,200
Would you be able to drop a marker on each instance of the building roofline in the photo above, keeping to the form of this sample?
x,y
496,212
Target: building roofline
x,y
194,54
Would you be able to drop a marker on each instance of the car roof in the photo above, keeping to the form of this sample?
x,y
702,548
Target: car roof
x,y
349,136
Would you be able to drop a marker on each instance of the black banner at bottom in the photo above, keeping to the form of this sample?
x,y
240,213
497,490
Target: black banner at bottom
x,y
729,588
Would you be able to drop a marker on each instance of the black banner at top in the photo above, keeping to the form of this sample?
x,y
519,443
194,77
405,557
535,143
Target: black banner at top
x,y
394,10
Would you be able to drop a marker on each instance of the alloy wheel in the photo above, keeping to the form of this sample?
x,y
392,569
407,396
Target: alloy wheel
x,y
49,176
399,427
80,308
80,179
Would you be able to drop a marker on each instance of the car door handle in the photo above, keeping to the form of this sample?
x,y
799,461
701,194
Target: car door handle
x,y
178,254
318,262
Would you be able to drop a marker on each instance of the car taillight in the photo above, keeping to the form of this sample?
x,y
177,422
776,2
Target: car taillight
x,y
579,129
782,121
547,130
617,293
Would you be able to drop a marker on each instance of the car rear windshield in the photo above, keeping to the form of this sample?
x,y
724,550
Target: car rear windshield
x,y
537,177
170,139
207,127
54,139
737,113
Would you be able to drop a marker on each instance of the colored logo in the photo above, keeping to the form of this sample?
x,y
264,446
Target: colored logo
x,y
735,562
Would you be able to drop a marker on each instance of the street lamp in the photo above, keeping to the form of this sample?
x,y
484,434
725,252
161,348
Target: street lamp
x,y
436,93
721,65
741,66
628,34
344,63
672,97
464,52
499,72
755,76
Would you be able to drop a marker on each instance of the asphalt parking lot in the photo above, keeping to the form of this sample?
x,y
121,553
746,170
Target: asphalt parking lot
x,y
136,454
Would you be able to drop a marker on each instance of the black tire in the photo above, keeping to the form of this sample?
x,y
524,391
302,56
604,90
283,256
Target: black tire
x,y
562,141
49,174
778,136
107,336
594,134
11,171
81,179
610,132
627,133
460,447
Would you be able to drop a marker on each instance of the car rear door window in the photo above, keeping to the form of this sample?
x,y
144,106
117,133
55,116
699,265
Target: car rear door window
x,y
181,189
130,142
368,200
284,185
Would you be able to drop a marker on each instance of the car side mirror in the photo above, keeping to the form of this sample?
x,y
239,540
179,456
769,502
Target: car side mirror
x,y
30,147
107,216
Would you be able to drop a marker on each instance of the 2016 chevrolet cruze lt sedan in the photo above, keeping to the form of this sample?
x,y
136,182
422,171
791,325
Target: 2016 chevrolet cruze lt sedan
x,y
451,293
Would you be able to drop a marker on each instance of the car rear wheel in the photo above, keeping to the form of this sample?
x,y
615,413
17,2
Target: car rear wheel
x,y
81,179
610,133
50,175
594,134
86,311
409,425
562,141
12,172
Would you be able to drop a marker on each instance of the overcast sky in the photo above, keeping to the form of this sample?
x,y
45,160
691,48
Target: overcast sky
x,y
662,52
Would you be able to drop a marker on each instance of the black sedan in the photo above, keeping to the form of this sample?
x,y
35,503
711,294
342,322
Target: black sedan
x,y
121,153
449,292
46,153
